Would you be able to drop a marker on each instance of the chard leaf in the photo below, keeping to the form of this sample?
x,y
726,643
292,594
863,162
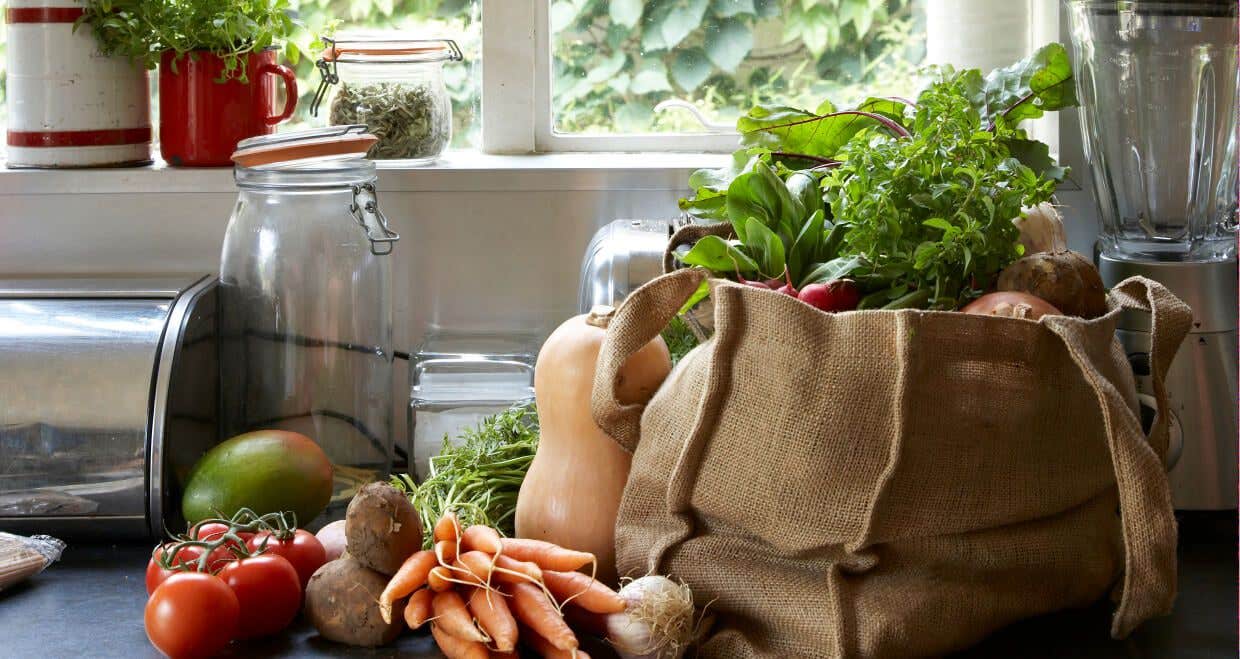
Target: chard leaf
x,y
806,245
702,292
1028,88
790,130
766,246
720,255
837,268
1036,156
710,188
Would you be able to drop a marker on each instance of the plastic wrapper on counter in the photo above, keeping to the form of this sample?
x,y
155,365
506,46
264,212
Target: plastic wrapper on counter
x,y
23,557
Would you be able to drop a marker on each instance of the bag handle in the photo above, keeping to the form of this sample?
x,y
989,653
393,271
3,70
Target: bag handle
x,y
640,318
1146,517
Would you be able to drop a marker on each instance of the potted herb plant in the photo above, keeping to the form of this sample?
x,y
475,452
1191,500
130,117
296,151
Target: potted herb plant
x,y
218,68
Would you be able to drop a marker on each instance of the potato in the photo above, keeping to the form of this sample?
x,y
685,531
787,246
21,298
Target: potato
x,y
381,528
1067,280
342,602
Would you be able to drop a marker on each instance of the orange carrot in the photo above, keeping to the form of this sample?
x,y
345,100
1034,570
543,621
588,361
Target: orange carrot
x,y
458,648
477,567
531,606
447,527
445,550
548,556
583,591
410,577
494,618
580,620
546,648
450,613
439,579
524,571
482,538
418,609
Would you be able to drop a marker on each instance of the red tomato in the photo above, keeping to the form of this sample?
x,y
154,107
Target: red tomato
x,y
268,590
156,574
303,550
213,531
192,615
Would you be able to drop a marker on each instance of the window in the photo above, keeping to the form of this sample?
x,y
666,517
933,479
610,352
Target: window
x,y
670,75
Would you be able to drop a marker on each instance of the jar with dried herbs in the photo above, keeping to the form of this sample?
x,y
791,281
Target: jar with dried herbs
x,y
394,87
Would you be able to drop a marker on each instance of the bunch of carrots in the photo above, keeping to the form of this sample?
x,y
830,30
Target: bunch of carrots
x,y
483,594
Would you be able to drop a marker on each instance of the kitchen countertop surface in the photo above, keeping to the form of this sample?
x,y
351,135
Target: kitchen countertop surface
x,y
90,605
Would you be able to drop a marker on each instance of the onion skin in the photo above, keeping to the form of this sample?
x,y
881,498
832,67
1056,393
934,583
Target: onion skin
x,y
1011,304
333,539
1066,279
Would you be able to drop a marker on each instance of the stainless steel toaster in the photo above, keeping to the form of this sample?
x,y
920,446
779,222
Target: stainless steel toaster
x,y
622,256
108,395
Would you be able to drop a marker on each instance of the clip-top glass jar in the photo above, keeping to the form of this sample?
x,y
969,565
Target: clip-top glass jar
x,y
396,88
305,301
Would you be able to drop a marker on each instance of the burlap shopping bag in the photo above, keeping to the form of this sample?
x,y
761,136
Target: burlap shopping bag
x,y
892,483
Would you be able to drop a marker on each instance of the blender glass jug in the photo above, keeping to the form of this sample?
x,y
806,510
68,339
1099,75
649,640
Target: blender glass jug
x,y
1158,94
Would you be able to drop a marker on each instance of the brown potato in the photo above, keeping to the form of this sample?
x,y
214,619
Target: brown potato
x,y
381,528
342,602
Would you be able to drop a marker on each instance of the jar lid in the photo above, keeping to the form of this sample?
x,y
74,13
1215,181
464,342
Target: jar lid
x,y
390,50
298,148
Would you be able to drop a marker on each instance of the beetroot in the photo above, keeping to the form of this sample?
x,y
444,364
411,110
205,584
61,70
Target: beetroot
x,y
835,295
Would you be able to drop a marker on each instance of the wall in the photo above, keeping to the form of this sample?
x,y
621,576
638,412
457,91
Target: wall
x,y
488,243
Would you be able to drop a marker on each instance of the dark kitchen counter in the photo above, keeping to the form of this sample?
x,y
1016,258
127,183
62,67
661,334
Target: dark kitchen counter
x,y
90,605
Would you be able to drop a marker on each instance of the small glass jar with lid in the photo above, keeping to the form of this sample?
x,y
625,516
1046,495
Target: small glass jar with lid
x,y
395,87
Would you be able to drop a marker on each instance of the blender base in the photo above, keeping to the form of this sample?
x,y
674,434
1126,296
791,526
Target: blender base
x,y
1202,381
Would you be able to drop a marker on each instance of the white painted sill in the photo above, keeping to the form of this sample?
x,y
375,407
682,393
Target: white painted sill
x,y
457,171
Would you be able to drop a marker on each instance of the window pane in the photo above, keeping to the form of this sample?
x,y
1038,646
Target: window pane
x,y
449,19
614,60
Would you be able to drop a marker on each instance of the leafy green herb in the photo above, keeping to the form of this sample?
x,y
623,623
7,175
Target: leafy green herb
x,y
679,338
230,29
411,119
480,479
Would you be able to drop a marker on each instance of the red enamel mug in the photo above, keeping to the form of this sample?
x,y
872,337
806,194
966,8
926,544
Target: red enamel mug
x,y
202,120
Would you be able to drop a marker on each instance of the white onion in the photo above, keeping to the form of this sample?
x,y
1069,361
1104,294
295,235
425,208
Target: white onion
x,y
658,622
1041,229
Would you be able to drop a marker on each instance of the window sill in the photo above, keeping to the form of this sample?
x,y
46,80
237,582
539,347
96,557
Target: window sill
x,y
457,171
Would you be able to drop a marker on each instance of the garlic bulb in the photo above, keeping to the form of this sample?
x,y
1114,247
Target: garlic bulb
x,y
658,623
1041,229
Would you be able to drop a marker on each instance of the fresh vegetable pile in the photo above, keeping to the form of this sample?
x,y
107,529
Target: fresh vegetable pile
x,y
228,579
480,592
894,203
480,478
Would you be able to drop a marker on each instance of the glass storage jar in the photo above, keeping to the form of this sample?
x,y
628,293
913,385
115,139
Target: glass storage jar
x,y
305,301
396,88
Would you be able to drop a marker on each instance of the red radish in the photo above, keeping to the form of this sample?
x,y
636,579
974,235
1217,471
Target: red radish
x,y
755,284
787,288
773,283
835,295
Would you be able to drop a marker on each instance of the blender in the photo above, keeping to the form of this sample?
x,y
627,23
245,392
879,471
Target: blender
x,y
1157,84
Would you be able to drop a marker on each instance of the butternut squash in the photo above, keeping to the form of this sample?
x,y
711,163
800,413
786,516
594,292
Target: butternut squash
x,y
572,490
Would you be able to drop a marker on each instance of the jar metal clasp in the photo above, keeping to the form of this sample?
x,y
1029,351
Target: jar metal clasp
x,y
365,205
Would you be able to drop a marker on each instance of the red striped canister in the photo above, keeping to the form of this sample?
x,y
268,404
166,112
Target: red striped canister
x,y
69,105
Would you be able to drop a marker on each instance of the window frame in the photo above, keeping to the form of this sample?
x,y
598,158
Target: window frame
x,y
517,103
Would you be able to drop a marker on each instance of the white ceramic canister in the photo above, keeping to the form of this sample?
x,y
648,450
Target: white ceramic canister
x,y
69,105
